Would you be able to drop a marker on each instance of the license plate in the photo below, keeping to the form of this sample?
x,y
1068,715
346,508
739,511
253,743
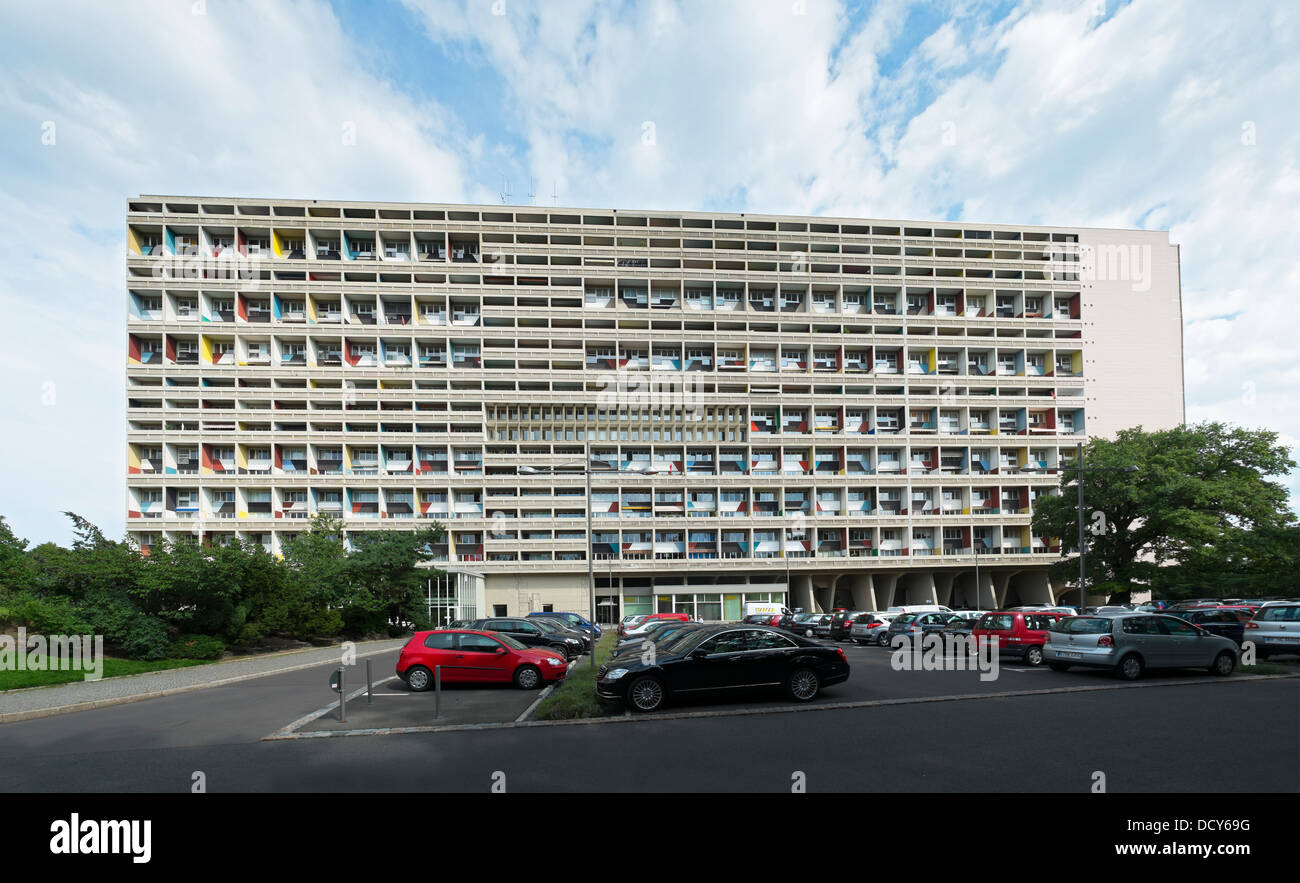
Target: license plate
x,y
1282,640
1069,655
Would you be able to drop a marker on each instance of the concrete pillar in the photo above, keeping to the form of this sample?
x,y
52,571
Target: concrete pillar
x,y
823,596
1033,587
801,592
919,588
884,585
1001,582
864,594
943,587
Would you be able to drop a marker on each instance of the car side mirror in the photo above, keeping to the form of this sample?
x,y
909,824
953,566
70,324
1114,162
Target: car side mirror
x,y
501,650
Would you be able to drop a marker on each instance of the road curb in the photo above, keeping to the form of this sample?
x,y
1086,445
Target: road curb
x,y
280,735
35,713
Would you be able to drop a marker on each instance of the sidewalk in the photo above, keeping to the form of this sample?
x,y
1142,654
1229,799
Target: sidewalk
x,y
36,702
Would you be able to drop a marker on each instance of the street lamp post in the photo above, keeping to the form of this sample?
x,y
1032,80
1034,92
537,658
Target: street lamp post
x,y
591,574
1083,535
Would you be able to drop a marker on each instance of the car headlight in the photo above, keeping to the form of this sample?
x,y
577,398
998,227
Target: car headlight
x,y
552,660
615,674
573,640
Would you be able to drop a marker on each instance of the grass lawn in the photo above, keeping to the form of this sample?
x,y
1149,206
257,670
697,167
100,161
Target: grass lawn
x,y
14,680
576,696
1267,668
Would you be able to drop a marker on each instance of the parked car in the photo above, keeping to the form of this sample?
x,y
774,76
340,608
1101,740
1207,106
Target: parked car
x,y
641,627
557,627
917,625
771,619
629,622
531,634
1019,632
1225,621
821,625
663,630
871,628
803,624
722,657
575,621
1131,643
1275,629
842,624
466,656
963,623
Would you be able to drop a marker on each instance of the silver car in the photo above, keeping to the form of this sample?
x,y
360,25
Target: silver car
x,y
869,631
1275,628
1131,643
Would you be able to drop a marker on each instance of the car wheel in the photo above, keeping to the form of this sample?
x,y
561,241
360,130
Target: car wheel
x,y
646,693
1129,668
419,678
1058,666
562,650
1224,663
808,633
527,677
883,640
803,684
1033,656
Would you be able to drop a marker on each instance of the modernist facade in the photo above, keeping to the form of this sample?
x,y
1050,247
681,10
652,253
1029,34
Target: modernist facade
x,y
818,410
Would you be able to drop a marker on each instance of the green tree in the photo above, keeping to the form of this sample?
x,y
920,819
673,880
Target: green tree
x,y
16,570
385,583
1199,492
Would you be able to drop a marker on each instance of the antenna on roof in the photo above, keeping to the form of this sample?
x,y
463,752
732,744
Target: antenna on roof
x,y
555,193
505,192
532,195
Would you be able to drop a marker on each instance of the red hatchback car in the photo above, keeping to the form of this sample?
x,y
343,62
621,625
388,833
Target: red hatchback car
x,y
1021,632
473,657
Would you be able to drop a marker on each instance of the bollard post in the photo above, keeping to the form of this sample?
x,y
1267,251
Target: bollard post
x,y
370,685
343,694
437,691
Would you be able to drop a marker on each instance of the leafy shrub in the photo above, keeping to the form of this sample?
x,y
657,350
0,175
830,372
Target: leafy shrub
x,y
146,638
196,647
47,616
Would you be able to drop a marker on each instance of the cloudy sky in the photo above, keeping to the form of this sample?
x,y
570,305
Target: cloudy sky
x,y
1158,115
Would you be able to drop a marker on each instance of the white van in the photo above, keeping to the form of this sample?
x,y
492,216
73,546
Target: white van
x,y
919,608
768,608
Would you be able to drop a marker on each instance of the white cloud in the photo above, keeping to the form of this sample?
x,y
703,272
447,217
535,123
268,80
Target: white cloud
x,y
1050,117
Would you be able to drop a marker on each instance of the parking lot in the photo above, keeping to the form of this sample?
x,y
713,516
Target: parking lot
x,y
873,679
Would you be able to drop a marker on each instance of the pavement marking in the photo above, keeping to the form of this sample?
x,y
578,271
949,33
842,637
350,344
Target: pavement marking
x,y
31,714
308,718
282,735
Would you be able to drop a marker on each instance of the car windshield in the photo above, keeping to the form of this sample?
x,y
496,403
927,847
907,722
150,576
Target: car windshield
x,y
1279,613
547,625
905,618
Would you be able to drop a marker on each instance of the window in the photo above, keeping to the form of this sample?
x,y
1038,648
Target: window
x,y
479,643
443,640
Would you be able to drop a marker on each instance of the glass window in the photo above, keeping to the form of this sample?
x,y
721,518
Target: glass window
x,y
478,644
727,642
440,641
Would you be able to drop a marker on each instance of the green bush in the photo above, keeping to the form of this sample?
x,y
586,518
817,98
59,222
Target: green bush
x,y
47,616
146,638
196,647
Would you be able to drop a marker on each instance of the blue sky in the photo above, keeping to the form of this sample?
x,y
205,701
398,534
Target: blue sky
x,y
1158,115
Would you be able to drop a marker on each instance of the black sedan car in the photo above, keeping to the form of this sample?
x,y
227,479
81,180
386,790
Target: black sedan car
x,y
722,657
532,634
1227,622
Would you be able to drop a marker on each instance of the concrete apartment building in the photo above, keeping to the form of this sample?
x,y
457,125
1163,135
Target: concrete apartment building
x,y
818,410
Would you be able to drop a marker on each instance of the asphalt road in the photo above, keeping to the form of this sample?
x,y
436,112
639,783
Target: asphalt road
x,y
1156,739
